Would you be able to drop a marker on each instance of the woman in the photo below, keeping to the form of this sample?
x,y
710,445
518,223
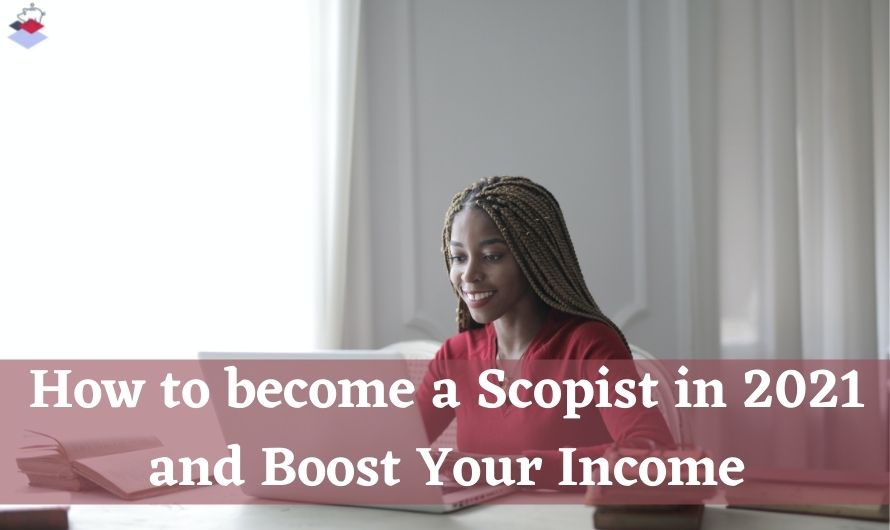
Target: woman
x,y
522,304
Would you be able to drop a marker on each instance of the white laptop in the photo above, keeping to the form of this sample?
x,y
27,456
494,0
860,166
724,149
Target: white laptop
x,y
351,433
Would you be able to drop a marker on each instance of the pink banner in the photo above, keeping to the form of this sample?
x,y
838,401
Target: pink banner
x,y
346,431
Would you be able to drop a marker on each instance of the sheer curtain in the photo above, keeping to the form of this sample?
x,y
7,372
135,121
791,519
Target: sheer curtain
x,y
801,126
796,131
340,23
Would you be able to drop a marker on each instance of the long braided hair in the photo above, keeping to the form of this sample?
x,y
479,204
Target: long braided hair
x,y
531,222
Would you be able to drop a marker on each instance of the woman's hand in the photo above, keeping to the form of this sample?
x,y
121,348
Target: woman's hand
x,y
503,469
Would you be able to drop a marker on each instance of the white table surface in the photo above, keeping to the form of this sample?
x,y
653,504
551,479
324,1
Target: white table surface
x,y
513,516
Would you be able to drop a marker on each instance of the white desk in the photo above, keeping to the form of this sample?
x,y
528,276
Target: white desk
x,y
489,517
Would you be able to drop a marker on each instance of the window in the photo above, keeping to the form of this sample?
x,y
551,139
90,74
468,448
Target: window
x,y
159,184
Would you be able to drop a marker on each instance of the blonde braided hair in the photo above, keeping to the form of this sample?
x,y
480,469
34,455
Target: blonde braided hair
x,y
531,222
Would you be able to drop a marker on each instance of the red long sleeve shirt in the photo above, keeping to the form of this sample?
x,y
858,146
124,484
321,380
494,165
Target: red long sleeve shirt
x,y
568,345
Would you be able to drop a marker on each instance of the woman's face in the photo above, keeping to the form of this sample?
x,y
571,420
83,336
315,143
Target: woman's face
x,y
483,270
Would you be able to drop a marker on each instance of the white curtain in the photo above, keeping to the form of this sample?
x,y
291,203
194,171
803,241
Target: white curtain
x,y
338,74
801,90
799,130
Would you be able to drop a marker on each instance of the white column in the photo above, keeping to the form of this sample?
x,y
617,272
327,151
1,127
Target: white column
x,y
879,61
836,178
780,265
738,169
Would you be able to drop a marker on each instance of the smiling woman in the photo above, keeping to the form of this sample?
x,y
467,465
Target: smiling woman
x,y
488,279
522,298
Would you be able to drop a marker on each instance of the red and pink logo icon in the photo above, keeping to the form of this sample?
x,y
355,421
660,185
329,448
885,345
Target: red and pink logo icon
x,y
27,27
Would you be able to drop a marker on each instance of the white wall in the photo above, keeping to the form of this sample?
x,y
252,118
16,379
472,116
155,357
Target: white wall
x,y
587,98
675,134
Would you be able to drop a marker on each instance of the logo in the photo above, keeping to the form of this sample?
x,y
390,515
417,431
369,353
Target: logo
x,y
27,27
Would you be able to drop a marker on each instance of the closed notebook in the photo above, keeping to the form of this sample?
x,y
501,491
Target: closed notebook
x,y
33,517
860,495
680,517
871,512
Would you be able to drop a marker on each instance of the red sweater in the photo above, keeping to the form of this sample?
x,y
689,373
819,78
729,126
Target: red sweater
x,y
562,342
